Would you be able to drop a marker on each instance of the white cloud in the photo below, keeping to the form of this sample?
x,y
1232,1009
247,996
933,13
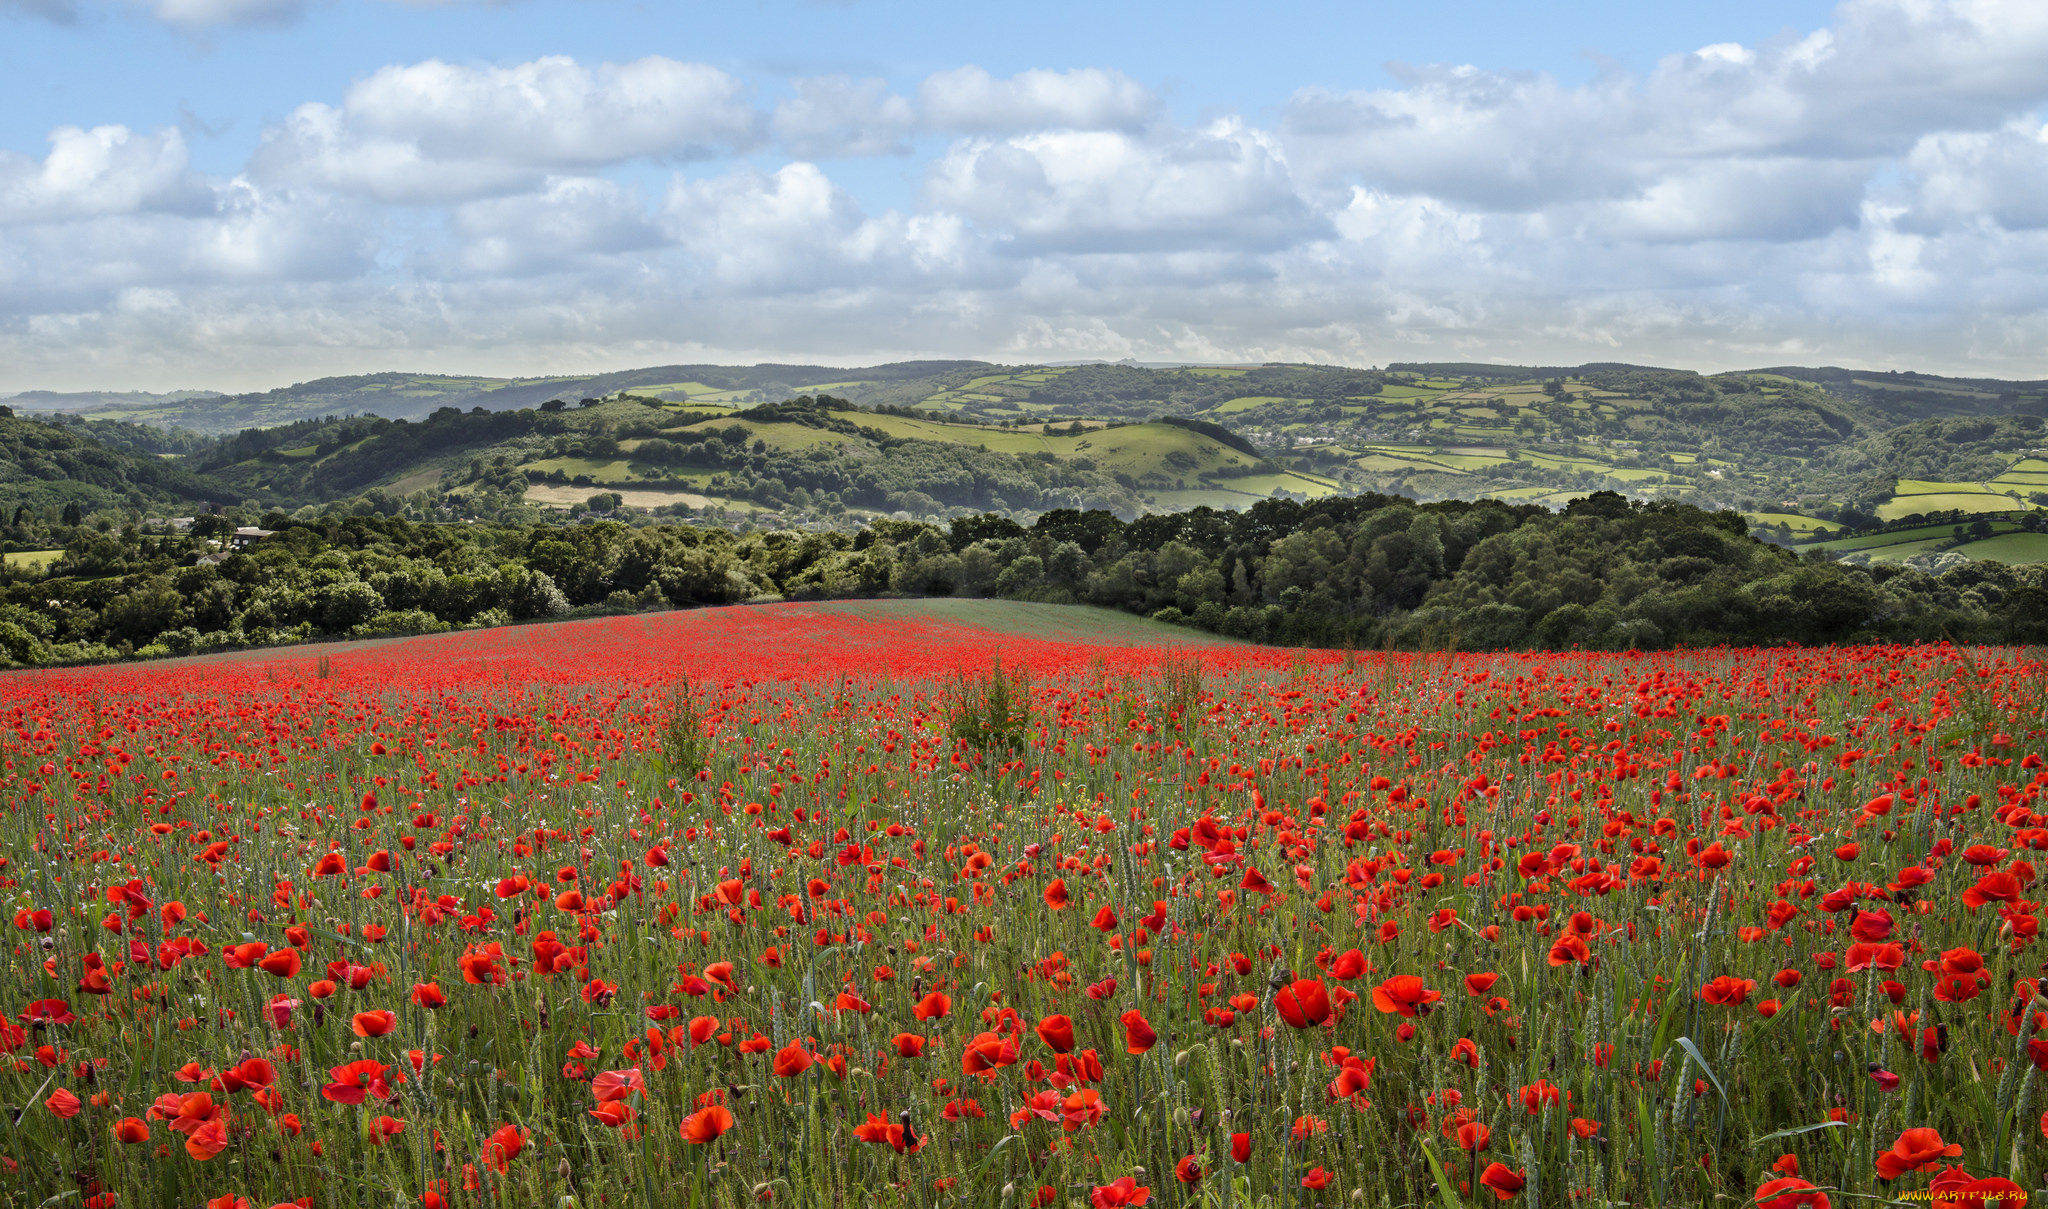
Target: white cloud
x,y
105,170
1889,72
436,132
1776,200
834,116
1872,192
795,231
1997,175
1226,186
250,238
968,100
571,218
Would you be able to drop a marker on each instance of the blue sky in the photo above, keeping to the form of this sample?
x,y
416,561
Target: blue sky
x,y
240,193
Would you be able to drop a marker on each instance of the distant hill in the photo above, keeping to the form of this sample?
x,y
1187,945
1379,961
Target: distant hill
x,y
138,405
47,466
820,454
404,396
1802,451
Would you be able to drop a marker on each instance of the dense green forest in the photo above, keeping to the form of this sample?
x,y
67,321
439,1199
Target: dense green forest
x,y
1368,571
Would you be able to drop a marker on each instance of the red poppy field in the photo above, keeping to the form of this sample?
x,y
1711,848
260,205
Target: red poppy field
x,y
821,905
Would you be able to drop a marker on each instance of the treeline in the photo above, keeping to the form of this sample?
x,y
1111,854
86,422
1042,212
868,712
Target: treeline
x,y
1363,571
44,465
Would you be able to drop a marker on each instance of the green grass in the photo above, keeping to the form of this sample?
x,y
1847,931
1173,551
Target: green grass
x,y
1390,462
614,470
560,496
1000,440
34,560
1553,461
1928,487
1141,449
1467,461
1249,402
775,435
1793,521
1974,503
2015,548
1918,385
1900,551
418,480
1868,541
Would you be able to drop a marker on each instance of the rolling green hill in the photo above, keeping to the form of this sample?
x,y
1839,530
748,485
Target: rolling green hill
x,y
45,467
821,457
1801,452
401,396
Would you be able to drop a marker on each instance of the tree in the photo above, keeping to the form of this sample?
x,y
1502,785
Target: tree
x,y
348,605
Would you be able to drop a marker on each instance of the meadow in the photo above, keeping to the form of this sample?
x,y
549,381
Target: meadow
x,y
975,903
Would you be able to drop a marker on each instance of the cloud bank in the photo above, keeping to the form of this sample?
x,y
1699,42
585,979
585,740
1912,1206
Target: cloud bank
x,y
1875,192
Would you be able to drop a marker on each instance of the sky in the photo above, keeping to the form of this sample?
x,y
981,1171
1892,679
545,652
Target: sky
x,y
241,194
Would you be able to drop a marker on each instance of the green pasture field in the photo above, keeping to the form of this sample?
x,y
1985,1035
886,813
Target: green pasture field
x,y
1975,503
1794,521
2014,548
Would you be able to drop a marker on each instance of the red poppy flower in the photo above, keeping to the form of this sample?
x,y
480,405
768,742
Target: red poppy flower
x,y
357,1080
881,1131
792,1060
1504,1183
908,1045
208,1140
1790,1192
503,1146
1727,992
705,1125
614,1085
1914,1150
1954,1186
1404,994
1138,1034
1057,1032
988,1052
1306,1002
1119,1193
